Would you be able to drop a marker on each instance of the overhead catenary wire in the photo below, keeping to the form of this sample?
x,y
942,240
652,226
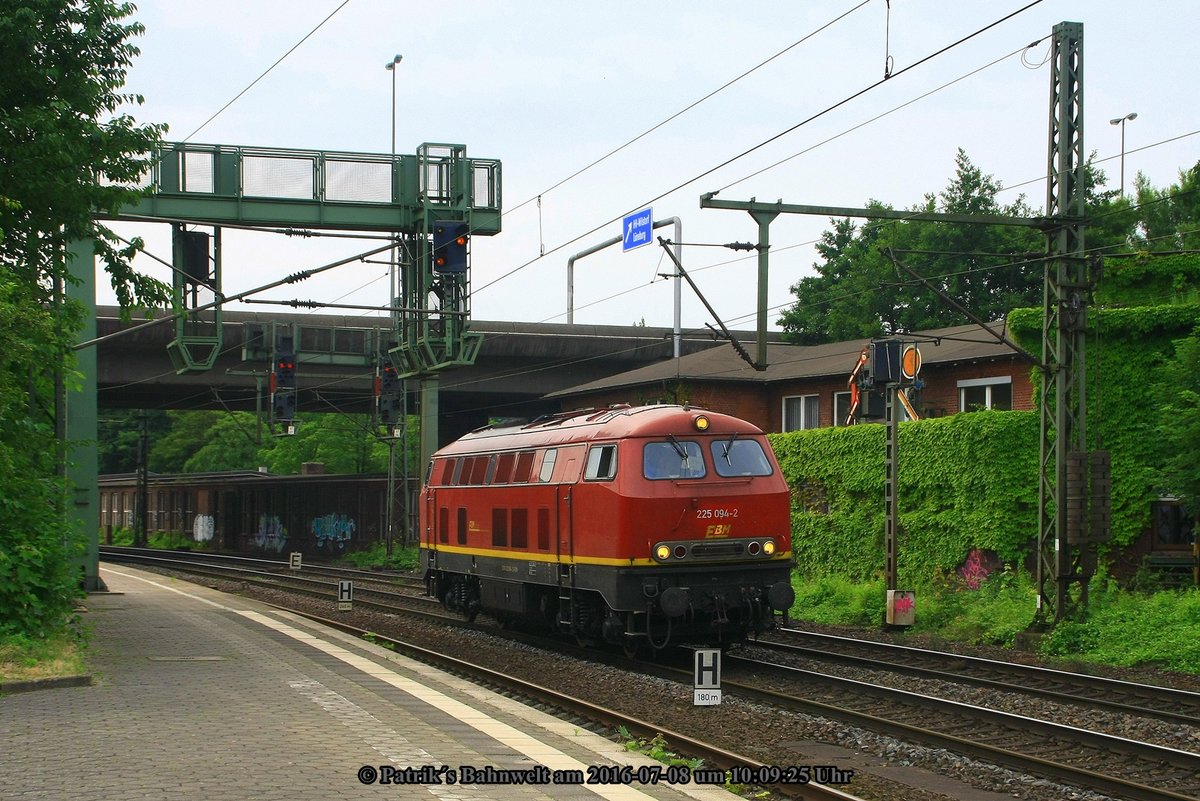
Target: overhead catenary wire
x,y
265,72
769,140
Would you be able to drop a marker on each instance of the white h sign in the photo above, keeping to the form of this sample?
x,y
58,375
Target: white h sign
x,y
345,599
707,685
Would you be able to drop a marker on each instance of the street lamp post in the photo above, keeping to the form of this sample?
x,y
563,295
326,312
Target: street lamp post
x,y
391,67
1121,121
391,439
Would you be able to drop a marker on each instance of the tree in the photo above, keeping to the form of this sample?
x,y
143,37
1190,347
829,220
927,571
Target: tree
x,y
858,291
1168,219
67,151
67,154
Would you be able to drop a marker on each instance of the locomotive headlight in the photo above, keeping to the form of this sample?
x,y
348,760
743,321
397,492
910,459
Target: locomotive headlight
x,y
662,553
701,422
769,547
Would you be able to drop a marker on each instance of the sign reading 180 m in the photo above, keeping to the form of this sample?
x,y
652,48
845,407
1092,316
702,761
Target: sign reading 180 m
x,y
637,229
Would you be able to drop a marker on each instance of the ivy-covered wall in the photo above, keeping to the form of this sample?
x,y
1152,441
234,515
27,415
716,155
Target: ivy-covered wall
x,y
966,481
1125,351
971,480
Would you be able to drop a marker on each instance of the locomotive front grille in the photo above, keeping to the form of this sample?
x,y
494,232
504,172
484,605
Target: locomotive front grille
x,y
716,550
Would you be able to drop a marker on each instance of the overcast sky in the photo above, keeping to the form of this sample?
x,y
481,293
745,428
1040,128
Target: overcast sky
x,y
549,87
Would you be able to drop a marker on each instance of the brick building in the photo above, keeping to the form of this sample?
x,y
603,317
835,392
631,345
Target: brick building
x,y
805,386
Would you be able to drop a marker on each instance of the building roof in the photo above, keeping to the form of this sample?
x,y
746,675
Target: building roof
x,y
963,343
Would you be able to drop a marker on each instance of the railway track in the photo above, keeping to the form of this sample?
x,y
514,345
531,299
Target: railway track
x,y
1078,689
384,592
1116,766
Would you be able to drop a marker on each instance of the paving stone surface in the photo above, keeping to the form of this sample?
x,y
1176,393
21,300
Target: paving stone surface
x,y
201,695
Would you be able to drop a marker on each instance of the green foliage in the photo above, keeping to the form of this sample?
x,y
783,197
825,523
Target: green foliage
x,y
37,582
966,481
344,443
118,435
1131,385
402,558
994,614
67,148
59,654
1002,607
1179,422
1119,628
855,293
833,600
205,441
174,541
656,748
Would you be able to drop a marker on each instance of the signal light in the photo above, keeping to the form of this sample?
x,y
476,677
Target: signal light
x,y
283,405
450,239
284,374
701,422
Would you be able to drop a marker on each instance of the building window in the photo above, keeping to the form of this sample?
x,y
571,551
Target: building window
x,y
841,408
985,393
1173,526
801,411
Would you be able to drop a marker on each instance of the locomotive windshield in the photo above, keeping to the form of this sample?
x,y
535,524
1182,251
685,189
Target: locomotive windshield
x,y
673,459
739,457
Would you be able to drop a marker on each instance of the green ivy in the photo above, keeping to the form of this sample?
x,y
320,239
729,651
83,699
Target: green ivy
x,y
966,481
1127,348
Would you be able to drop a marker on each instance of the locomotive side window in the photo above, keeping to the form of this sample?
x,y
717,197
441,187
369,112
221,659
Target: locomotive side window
x,y
548,460
444,524
543,528
739,457
500,528
523,468
461,534
479,466
601,463
672,459
504,468
520,528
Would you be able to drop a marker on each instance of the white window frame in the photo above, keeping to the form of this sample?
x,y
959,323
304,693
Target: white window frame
x,y
805,423
987,383
838,420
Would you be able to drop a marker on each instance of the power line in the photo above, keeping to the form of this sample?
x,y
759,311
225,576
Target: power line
x,y
267,70
688,108
771,139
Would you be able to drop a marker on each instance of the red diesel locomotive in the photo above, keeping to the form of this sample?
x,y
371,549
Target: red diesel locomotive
x,y
632,525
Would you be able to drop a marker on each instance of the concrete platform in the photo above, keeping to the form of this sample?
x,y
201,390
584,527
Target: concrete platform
x,y
202,695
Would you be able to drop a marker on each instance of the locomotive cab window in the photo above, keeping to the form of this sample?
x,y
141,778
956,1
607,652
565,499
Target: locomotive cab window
x,y
739,457
548,460
672,459
601,463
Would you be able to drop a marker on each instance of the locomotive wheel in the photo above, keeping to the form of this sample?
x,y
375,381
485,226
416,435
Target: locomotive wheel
x,y
631,647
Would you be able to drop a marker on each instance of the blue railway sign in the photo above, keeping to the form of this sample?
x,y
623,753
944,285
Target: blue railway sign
x,y
637,229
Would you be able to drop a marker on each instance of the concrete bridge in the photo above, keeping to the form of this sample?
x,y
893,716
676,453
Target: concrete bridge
x,y
518,364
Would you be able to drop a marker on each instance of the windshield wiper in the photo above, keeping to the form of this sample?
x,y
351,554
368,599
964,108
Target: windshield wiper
x,y
679,449
725,446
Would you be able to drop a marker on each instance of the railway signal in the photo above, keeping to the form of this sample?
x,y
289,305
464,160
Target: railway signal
x,y
450,239
387,394
283,387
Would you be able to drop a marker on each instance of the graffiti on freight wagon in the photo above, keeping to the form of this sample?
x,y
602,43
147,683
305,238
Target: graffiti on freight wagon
x,y
333,530
271,534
